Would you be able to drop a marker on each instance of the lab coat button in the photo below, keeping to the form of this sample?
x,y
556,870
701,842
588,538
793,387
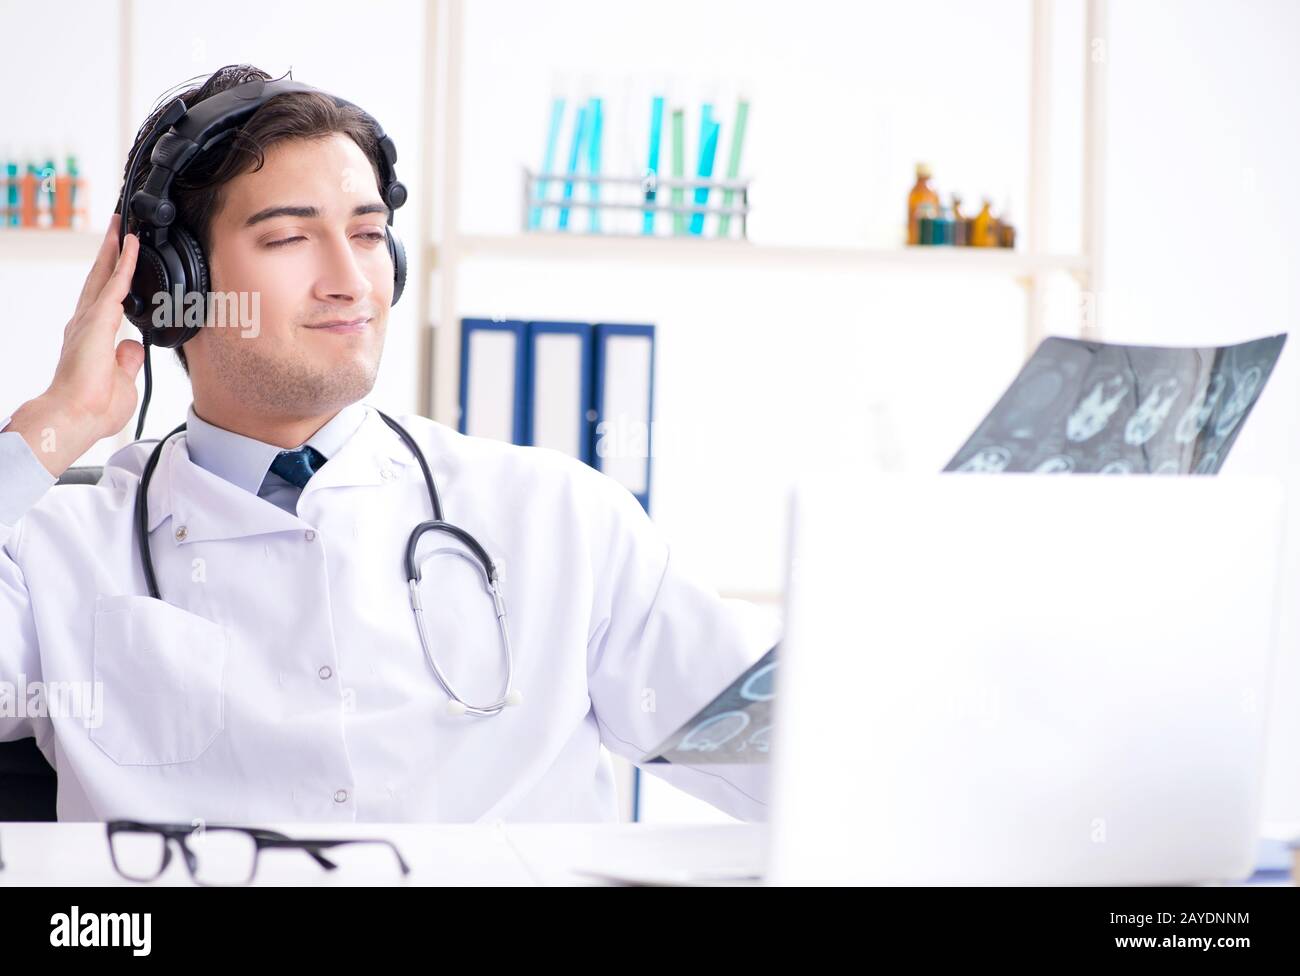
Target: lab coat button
x,y
386,474
310,535
340,796
326,672
182,534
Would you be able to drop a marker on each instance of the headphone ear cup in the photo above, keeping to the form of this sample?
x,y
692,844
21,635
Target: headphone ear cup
x,y
398,253
187,275
195,261
196,281
151,278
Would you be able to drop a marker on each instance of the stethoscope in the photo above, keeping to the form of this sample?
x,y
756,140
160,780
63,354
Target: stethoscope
x,y
457,705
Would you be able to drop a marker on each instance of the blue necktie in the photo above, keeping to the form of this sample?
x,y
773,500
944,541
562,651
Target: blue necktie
x,y
297,467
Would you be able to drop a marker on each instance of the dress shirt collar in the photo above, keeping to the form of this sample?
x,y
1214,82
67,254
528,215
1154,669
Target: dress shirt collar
x,y
245,462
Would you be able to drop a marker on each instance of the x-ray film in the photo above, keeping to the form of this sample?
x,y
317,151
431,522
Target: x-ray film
x,y
735,727
1075,407
1094,407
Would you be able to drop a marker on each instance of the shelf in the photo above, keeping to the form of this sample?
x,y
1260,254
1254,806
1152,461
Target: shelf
x,y
81,247
703,252
33,244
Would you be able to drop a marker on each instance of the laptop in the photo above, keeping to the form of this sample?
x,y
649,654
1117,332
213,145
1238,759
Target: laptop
x,y
1024,679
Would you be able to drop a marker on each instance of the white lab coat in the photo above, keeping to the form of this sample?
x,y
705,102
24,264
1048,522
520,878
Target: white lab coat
x,y
282,678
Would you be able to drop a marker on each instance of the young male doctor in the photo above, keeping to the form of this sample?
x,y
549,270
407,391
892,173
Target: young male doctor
x,y
281,675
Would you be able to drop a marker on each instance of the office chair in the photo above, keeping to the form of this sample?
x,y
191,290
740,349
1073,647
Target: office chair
x,y
28,785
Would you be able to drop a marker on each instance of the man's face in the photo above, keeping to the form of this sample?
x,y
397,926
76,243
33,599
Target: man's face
x,y
302,243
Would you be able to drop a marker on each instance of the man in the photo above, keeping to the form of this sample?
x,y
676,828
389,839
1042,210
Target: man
x,y
281,675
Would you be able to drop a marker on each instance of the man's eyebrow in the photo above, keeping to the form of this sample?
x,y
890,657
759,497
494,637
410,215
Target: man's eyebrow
x,y
309,213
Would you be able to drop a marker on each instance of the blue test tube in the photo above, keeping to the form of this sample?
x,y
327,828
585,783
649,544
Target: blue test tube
x,y
575,151
708,150
548,162
652,167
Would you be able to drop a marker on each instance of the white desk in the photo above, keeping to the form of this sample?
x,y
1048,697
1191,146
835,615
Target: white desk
x,y
459,854
76,854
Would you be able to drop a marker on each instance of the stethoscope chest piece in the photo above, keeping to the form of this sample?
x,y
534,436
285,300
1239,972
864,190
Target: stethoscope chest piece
x,y
491,578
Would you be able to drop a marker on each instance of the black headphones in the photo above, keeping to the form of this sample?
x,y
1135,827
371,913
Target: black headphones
x,y
170,258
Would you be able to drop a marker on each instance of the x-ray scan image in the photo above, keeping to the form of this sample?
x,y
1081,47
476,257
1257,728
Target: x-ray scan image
x,y
1150,416
733,728
1100,408
1088,407
1198,411
1090,417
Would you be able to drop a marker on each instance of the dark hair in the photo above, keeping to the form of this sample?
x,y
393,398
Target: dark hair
x,y
197,192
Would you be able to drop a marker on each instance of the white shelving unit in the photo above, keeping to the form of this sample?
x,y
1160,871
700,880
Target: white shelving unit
x,y
743,254
1028,265
81,246
30,244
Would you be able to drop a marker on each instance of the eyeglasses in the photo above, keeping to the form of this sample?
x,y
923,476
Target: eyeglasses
x,y
214,854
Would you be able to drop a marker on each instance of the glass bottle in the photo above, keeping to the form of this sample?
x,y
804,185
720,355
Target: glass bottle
x,y
983,229
921,195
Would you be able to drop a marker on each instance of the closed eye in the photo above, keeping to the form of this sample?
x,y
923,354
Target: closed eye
x,y
289,240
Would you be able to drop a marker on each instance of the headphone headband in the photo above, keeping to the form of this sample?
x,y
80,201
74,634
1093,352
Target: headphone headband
x,y
214,119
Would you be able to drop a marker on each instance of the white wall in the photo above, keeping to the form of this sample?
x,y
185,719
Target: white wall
x,y
1201,239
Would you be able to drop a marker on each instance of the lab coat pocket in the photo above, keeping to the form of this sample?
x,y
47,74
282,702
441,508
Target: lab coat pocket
x,y
160,671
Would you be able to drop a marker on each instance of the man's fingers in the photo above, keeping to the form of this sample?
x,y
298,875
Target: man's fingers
x,y
101,269
130,356
119,283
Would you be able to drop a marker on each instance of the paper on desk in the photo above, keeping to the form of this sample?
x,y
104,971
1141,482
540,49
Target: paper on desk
x,y
1090,407
735,727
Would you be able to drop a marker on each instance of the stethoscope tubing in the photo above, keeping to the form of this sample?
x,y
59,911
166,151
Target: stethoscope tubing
x,y
457,705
